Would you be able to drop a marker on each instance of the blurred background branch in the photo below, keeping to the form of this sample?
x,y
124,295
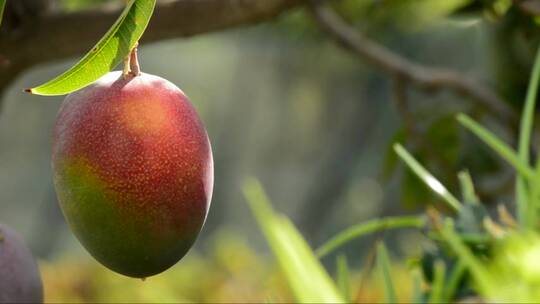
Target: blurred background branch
x,y
31,34
428,79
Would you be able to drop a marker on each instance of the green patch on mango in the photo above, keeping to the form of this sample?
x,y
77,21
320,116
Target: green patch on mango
x,y
115,230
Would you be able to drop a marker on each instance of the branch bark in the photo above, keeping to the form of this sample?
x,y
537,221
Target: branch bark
x,y
54,36
425,78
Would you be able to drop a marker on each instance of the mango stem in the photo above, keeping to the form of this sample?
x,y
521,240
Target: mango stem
x,y
131,64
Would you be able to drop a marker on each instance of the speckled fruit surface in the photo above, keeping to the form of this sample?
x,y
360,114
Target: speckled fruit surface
x,y
20,281
133,172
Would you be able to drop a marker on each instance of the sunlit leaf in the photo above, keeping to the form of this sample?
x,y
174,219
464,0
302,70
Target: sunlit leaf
x,y
106,54
427,177
308,279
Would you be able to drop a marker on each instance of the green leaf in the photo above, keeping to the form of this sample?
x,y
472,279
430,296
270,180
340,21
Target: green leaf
x,y
526,216
417,293
453,282
343,278
480,274
467,188
2,6
383,266
470,220
497,145
309,281
106,54
438,282
371,226
534,195
427,178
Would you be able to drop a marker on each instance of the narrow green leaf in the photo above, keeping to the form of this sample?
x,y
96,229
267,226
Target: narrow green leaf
x,y
480,274
106,54
496,144
343,277
427,178
468,238
524,214
438,283
417,294
453,282
467,188
309,281
383,266
2,6
371,226
534,196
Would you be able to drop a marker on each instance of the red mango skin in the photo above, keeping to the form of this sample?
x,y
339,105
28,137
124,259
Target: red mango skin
x,y
20,281
133,172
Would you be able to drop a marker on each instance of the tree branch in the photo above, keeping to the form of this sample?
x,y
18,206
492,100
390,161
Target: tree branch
x,y
54,36
425,78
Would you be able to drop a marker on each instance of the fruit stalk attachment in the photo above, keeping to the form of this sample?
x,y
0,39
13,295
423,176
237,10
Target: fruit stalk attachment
x,y
131,64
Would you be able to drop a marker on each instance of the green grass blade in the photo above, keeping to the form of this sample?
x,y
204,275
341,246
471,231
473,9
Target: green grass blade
x,y
467,188
2,6
496,144
309,281
427,178
480,274
438,283
417,293
453,282
106,54
526,216
371,226
383,266
343,277
534,197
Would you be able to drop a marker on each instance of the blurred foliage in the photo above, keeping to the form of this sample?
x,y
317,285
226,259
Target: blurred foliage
x,y
516,269
73,5
308,279
229,272
408,14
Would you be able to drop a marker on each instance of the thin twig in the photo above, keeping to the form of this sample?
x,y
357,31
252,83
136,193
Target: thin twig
x,y
425,78
399,94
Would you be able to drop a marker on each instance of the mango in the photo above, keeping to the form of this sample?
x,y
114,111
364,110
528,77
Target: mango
x,y
20,281
133,172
